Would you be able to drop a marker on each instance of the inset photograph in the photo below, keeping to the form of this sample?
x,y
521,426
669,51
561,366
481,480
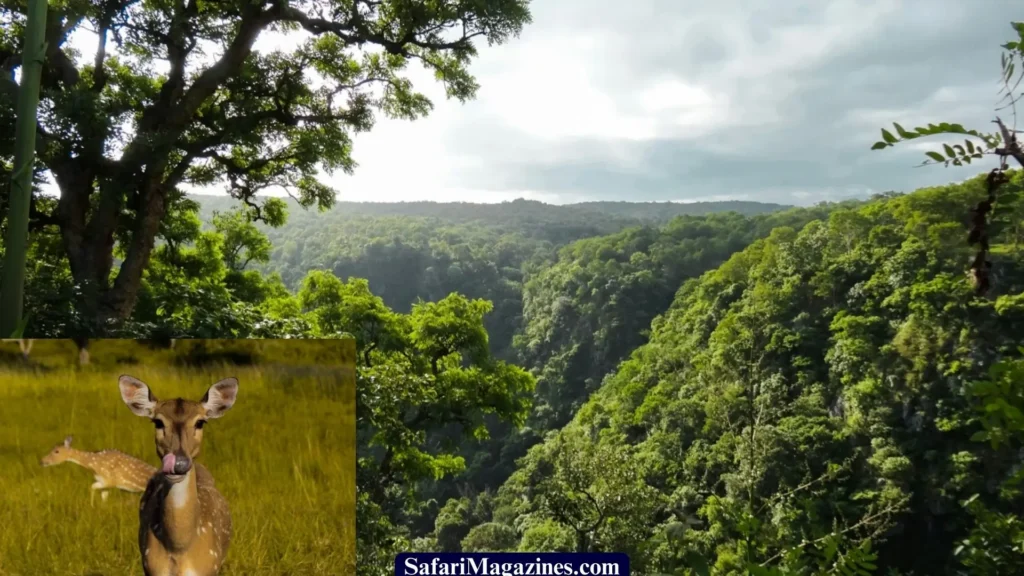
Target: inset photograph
x,y
186,457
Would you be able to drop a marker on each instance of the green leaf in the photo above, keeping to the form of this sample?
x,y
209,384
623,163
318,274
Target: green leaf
x,y
970,146
949,150
831,547
902,132
698,563
936,156
887,136
880,145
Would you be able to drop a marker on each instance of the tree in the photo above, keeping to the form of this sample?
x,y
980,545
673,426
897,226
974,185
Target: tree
x,y
490,537
452,525
593,489
338,307
243,241
418,374
121,139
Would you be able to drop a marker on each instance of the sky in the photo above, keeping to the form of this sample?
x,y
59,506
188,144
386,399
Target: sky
x,y
689,100
693,100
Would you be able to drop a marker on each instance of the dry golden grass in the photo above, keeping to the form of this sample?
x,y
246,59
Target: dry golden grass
x,y
283,456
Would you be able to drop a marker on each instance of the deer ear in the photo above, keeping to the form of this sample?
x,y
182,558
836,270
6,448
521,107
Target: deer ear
x,y
137,396
67,442
220,397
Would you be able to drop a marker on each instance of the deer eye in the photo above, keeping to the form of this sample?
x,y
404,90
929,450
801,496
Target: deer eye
x,y
199,424
158,423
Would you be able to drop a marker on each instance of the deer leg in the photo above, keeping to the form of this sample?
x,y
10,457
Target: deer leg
x,y
92,494
104,494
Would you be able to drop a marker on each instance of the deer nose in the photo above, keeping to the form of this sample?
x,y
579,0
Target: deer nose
x,y
182,464
174,463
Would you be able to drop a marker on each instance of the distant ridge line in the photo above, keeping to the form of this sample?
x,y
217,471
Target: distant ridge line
x,y
521,201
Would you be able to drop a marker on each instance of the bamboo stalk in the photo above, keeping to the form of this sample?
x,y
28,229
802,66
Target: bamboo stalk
x,y
12,283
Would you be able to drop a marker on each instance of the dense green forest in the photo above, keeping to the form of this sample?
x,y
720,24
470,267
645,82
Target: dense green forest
x,y
742,390
819,382
425,251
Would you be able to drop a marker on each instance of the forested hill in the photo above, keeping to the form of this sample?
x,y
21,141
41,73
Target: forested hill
x,y
425,250
663,211
515,214
507,234
821,391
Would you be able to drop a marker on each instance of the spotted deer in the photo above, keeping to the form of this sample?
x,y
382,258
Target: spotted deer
x,y
112,469
184,522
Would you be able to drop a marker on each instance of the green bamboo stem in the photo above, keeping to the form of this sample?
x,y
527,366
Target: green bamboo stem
x,y
12,283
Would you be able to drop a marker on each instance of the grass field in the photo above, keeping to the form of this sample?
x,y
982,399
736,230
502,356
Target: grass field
x,y
283,457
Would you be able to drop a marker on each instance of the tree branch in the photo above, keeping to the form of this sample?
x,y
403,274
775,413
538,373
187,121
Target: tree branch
x,y
863,522
66,73
1012,145
358,35
211,79
99,72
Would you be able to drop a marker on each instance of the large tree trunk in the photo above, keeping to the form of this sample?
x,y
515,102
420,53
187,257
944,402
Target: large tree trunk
x,y
141,176
120,299
90,248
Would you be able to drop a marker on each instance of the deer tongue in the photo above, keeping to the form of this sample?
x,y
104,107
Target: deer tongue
x,y
168,463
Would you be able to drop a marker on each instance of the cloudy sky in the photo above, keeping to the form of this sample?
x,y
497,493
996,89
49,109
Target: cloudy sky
x,y
688,100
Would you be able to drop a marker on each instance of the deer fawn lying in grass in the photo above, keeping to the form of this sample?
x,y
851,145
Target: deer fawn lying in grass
x,y
113,469
184,522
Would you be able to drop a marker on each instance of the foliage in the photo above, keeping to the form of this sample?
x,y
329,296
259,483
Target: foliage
x,y
414,382
815,387
490,537
586,312
995,545
424,250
